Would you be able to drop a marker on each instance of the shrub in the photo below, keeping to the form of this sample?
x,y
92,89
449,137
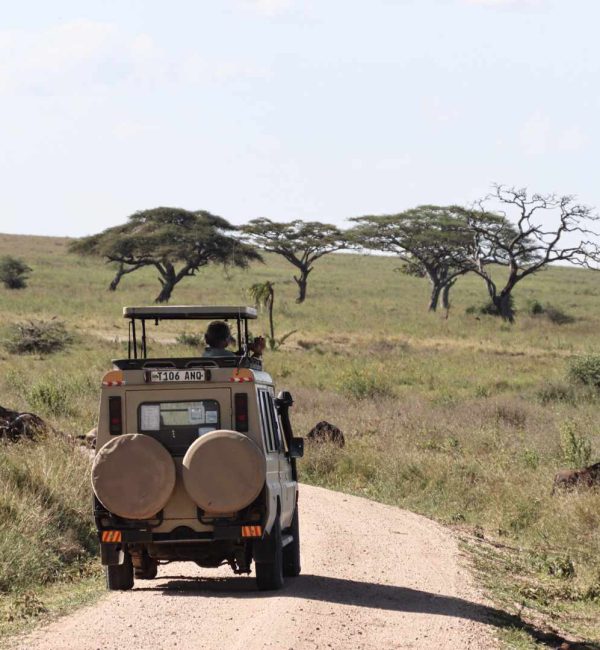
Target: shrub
x,y
363,383
13,272
50,397
553,314
557,316
556,392
576,449
193,340
586,370
42,337
488,308
535,308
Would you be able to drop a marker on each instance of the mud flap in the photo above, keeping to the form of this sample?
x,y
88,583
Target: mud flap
x,y
111,554
263,549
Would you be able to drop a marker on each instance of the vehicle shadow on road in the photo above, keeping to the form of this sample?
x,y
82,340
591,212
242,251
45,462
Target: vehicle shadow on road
x,y
361,594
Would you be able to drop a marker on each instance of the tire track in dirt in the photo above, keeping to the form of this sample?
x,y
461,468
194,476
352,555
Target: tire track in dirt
x,y
373,577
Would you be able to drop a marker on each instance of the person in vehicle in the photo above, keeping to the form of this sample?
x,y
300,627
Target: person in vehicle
x,y
218,337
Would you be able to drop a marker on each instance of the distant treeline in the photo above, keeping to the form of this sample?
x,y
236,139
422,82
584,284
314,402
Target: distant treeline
x,y
511,227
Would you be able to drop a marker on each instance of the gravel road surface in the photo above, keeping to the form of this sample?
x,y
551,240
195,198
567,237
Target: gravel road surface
x,y
373,576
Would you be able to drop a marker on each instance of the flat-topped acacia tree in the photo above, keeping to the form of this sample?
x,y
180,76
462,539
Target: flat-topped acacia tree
x,y
301,243
433,242
176,242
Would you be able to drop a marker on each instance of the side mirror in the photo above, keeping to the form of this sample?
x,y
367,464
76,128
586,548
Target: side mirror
x,y
297,448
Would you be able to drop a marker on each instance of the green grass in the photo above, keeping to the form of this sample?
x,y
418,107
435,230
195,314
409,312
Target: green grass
x,y
464,419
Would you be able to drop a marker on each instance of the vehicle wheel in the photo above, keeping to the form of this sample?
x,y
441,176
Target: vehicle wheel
x,y
119,577
148,571
269,574
291,552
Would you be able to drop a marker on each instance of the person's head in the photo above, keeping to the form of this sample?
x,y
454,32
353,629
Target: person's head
x,y
218,335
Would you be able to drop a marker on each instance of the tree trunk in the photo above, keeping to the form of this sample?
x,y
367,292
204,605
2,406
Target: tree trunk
x,y
115,281
271,324
435,296
165,292
503,304
302,282
168,281
446,296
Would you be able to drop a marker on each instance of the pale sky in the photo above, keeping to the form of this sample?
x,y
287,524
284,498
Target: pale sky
x,y
316,109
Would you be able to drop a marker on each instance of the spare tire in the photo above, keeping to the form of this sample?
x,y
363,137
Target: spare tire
x,y
133,476
223,471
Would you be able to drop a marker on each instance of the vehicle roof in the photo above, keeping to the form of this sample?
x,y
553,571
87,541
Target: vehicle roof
x,y
192,312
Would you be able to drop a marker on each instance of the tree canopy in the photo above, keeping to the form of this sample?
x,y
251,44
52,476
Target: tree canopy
x,y
176,242
301,243
433,241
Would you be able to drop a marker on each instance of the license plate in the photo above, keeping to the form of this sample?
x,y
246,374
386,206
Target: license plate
x,y
177,375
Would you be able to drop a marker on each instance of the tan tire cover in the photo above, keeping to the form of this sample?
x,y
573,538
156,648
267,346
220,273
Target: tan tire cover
x,y
223,471
133,476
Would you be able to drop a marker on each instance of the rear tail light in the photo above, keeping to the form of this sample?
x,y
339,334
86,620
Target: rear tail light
x,y
115,417
241,412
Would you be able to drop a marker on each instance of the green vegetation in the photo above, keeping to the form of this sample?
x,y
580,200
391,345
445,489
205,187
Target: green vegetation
x,y
41,337
585,369
13,272
163,239
301,243
465,419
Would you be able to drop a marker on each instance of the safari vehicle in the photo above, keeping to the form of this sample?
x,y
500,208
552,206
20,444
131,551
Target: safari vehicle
x,y
195,460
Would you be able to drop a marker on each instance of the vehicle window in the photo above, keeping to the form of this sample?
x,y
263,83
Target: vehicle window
x,y
177,424
266,422
275,423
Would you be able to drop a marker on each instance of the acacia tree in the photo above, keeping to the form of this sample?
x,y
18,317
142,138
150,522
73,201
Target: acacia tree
x,y
545,228
301,243
433,241
176,242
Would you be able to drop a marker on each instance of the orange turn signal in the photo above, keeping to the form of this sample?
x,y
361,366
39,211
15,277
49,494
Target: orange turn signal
x,y
251,531
241,375
111,536
113,378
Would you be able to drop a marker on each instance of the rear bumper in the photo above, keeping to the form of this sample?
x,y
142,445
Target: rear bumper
x,y
220,533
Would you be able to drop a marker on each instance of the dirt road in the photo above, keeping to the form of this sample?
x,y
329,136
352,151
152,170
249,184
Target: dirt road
x,y
373,576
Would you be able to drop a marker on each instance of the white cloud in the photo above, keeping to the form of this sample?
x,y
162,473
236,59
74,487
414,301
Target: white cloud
x,y
83,57
395,164
571,139
506,3
539,136
132,129
50,59
269,7
535,134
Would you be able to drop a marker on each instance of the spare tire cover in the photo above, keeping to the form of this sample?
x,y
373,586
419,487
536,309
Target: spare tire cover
x,y
223,471
133,476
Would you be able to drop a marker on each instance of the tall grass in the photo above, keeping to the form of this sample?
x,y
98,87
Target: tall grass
x,y
46,532
465,420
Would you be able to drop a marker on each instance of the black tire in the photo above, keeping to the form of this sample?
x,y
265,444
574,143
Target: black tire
x,y
269,574
119,577
148,571
291,552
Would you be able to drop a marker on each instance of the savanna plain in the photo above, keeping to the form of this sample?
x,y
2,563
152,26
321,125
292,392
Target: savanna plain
x,y
464,419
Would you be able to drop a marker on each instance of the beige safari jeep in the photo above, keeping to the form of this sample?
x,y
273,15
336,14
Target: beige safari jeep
x,y
195,460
